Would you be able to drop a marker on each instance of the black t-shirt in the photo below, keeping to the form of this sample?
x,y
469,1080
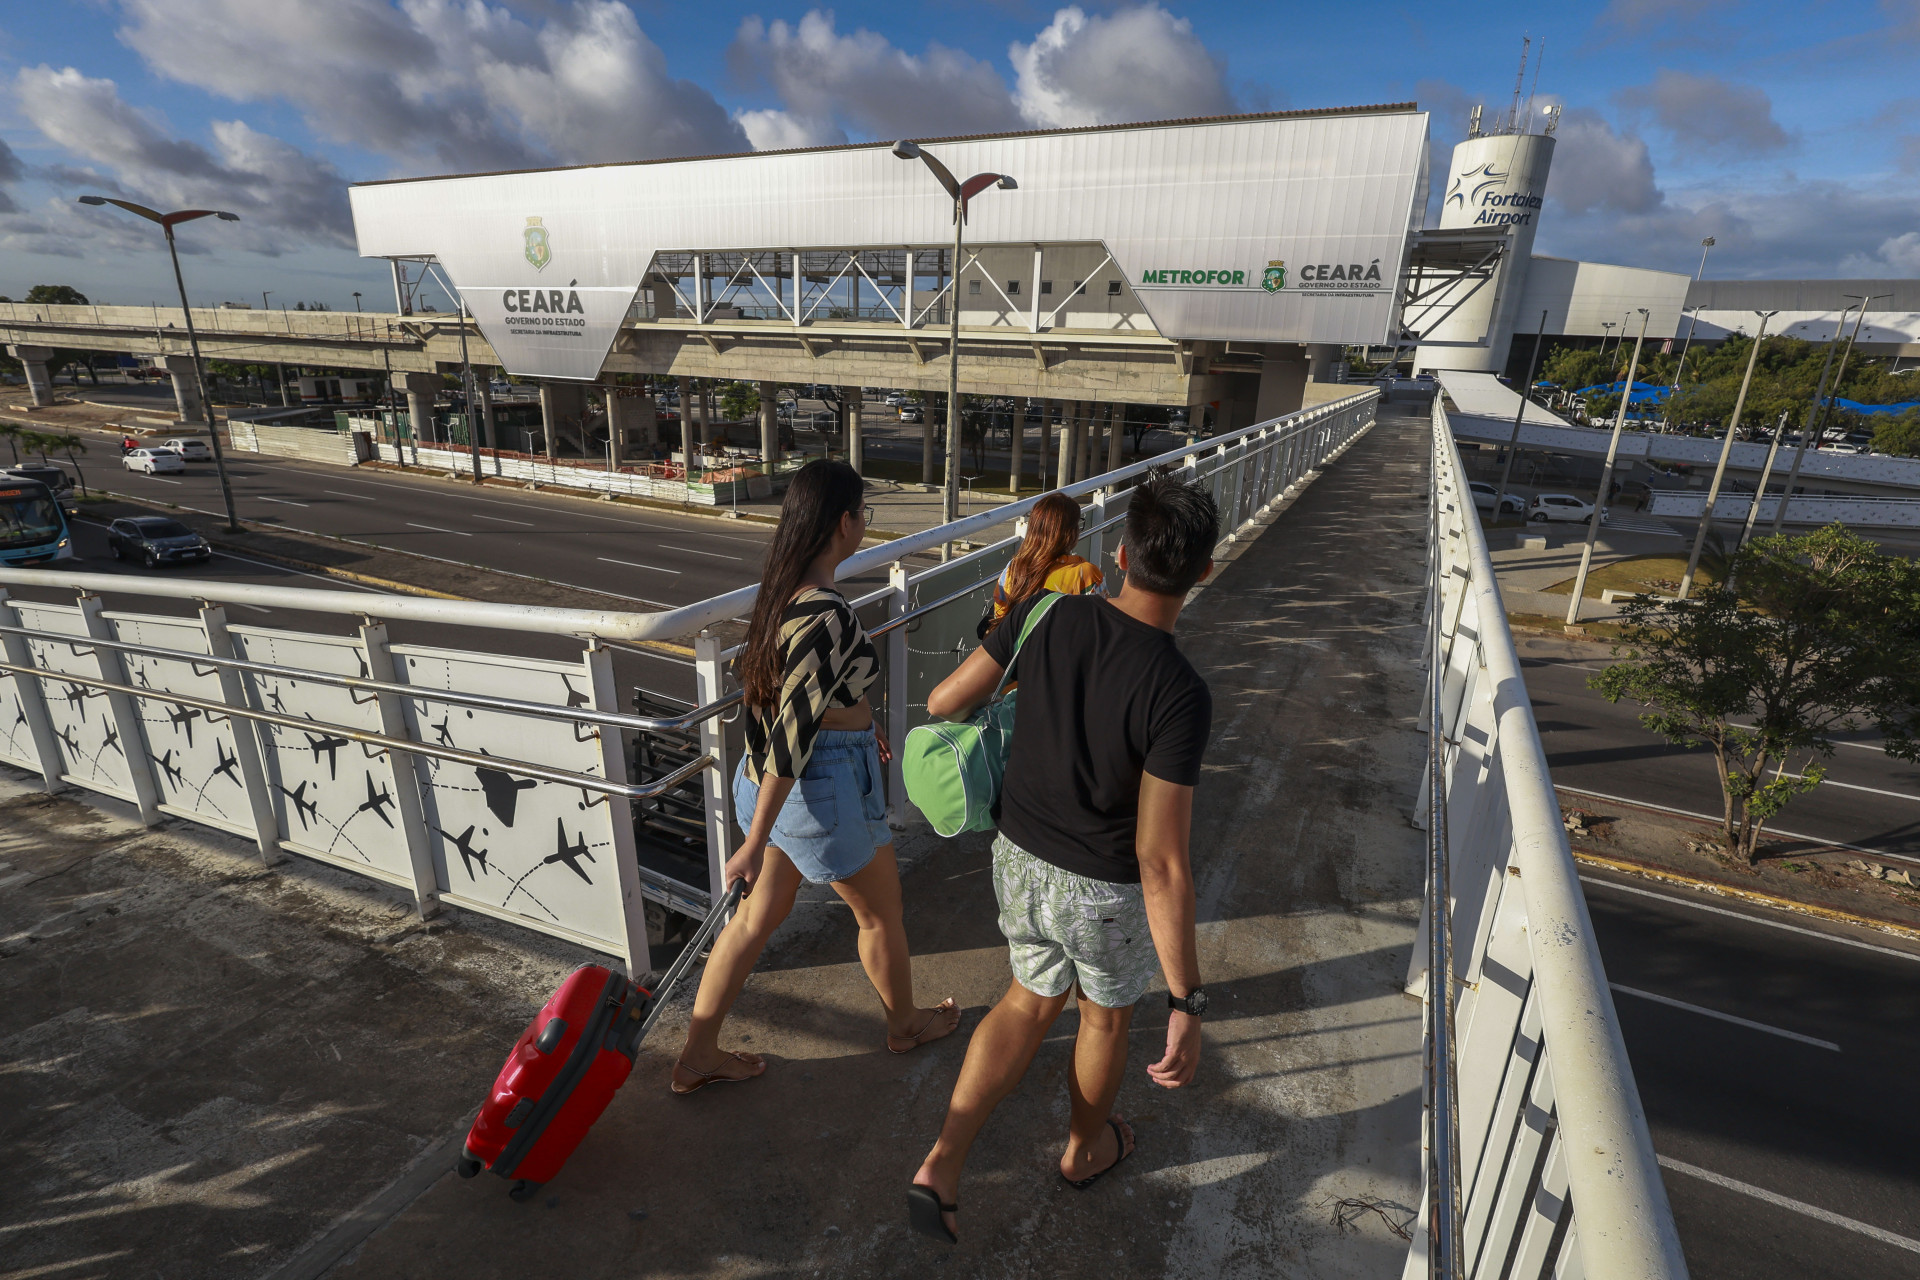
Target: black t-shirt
x,y
1103,697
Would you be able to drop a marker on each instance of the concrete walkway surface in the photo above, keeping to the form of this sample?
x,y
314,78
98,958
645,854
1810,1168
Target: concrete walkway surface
x,y
206,1065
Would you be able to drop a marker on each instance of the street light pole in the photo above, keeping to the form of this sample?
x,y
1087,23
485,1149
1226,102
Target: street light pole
x,y
1513,443
1813,415
1726,448
1606,473
962,193
1705,247
167,222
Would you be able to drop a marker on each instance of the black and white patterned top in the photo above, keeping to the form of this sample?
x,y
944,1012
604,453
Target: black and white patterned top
x,y
827,660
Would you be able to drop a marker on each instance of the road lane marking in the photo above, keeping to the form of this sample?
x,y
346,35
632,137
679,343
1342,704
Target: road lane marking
x,y
631,565
1796,1206
1854,786
364,497
164,480
1725,1017
285,502
436,529
282,568
717,555
1857,746
1741,915
1708,817
481,515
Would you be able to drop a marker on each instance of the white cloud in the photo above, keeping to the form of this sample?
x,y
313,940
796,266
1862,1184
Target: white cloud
x,y
1597,168
283,194
454,83
832,83
1708,111
782,130
1136,64
1897,256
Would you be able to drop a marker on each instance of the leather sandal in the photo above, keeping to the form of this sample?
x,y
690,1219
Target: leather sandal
x,y
705,1078
924,1212
917,1038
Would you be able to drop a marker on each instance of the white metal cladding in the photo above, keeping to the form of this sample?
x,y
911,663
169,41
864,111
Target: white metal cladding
x,y
1225,195
1868,513
1558,1176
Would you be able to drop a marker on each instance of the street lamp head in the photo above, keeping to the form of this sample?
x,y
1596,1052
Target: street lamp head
x,y
906,150
93,199
1707,243
1007,183
224,216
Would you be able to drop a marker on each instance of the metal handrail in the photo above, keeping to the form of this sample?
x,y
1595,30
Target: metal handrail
x,y
418,693
1624,1223
367,737
611,625
1445,1250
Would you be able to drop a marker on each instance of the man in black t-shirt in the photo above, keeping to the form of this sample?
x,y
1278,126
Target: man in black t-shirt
x,y
1090,867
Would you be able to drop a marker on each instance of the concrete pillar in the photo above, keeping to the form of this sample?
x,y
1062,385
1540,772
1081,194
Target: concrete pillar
x,y
856,450
1015,437
421,388
1069,443
1283,383
1116,434
1320,361
1045,443
563,407
625,414
1087,430
186,389
39,381
769,428
927,459
689,454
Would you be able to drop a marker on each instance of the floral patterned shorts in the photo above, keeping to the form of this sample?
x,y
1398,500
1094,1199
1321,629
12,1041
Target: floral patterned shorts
x,y
1064,928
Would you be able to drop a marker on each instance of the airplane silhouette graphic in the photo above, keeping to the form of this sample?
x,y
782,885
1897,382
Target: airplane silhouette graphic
x,y
168,767
112,739
73,748
574,697
329,744
77,699
226,764
571,854
301,805
441,732
377,803
273,698
468,854
503,791
183,718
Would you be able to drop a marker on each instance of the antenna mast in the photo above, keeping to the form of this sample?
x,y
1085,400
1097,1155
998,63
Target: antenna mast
x,y
1539,57
1519,84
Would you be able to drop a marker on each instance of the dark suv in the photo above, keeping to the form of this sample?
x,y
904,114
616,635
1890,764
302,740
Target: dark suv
x,y
156,540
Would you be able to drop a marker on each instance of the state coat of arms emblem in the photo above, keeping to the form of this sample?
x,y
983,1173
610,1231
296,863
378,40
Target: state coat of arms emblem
x,y
1274,279
539,247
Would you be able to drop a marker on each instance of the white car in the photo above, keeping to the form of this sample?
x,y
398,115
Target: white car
x,y
1484,494
188,447
1560,506
153,461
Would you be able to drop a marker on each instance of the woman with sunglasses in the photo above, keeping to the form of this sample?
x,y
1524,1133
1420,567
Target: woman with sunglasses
x,y
807,792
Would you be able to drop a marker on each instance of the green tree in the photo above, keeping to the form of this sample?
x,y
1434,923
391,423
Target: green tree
x,y
56,295
15,435
739,401
69,443
1898,434
1820,635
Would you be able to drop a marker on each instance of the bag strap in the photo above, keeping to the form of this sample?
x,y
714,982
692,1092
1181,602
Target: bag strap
x,y
1034,615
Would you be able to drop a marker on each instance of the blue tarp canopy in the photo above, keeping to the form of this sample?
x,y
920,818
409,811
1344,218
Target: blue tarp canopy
x,y
1854,406
1643,392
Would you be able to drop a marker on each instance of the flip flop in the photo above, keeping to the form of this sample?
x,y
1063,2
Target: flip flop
x,y
924,1210
939,1011
1119,1137
705,1078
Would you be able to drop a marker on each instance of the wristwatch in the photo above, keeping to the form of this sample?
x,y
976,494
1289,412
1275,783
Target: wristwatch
x,y
1195,1005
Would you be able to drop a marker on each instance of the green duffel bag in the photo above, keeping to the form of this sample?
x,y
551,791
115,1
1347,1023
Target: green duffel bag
x,y
953,771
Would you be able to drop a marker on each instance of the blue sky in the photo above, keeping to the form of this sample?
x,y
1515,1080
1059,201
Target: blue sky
x,y
1790,132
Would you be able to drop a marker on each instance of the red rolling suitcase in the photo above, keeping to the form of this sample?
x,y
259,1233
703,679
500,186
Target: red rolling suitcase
x,y
567,1065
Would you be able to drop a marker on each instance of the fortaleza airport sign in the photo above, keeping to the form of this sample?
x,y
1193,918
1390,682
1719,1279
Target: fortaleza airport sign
x,y
1315,279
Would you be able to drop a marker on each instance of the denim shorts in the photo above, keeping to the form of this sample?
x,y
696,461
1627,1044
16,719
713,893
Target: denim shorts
x,y
835,818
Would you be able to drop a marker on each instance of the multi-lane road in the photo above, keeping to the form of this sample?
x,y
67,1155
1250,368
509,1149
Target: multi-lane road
x,y
1870,800
1773,1057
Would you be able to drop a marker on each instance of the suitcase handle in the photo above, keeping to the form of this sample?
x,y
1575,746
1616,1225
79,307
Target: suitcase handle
x,y
689,954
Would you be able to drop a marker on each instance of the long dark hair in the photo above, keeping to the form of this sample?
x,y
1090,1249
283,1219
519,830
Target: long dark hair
x,y
821,492
1053,527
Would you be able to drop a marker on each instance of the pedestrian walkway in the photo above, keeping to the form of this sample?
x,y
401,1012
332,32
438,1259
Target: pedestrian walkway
x,y
215,1063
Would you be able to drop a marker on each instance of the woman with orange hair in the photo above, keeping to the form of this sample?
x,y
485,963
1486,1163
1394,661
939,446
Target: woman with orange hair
x,y
1045,561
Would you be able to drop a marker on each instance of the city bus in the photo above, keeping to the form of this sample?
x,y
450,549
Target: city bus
x,y
33,529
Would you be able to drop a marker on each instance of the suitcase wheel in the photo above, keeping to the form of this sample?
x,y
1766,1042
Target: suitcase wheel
x,y
466,1166
524,1191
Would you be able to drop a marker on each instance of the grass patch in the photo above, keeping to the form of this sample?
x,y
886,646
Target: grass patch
x,y
1657,574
